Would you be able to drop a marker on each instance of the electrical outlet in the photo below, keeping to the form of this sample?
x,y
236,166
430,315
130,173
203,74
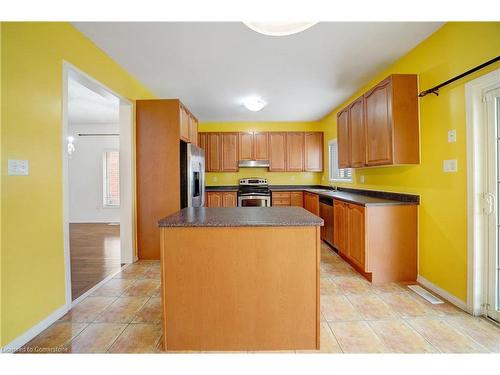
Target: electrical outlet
x,y
452,136
214,179
450,166
292,178
18,167
361,179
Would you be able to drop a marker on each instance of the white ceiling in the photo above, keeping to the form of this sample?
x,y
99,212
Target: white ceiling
x,y
86,106
213,66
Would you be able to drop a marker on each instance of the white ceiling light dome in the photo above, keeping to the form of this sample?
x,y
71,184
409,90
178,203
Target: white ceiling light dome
x,y
279,28
254,103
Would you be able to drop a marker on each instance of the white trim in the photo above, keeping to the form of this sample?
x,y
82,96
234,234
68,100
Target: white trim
x,y
28,335
476,147
443,293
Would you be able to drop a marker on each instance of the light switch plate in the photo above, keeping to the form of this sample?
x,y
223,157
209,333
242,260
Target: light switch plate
x,y
450,166
452,135
17,167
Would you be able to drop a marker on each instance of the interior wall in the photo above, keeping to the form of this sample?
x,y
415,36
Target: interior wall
x,y
85,174
33,278
453,49
275,178
1,174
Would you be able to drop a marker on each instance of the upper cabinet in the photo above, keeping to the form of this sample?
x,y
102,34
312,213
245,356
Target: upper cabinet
x,y
193,130
286,151
313,152
188,125
382,126
277,152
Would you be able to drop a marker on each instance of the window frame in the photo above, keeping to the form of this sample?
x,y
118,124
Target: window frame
x,y
105,183
333,169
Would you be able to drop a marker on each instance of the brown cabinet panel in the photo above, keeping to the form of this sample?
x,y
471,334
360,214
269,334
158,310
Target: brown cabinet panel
x,y
297,198
277,152
295,151
356,235
311,202
184,124
326,213
260,146
202,143
193,130
313,152
214,199
340,227
280,198
378,124
213,152
343,144
229,199
246,146
229,147
357,133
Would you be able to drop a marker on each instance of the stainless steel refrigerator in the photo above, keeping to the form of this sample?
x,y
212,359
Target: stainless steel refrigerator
x,y
192,175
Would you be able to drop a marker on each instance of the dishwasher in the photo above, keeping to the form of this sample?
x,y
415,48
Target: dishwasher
x,y
326,213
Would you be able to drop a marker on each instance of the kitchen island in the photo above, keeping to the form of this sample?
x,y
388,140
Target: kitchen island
x,y
240,279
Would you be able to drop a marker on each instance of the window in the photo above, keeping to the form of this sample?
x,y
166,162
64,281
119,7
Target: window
x,y
336,173
111,177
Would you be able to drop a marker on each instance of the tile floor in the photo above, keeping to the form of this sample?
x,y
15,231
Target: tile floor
x,y
124,316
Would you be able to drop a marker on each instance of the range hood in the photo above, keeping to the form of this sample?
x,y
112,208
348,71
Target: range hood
x,y
254,164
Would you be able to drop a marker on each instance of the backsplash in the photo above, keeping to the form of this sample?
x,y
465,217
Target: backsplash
x,y
274,178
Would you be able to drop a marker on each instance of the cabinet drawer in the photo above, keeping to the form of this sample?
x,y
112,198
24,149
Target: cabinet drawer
x,y
281,201
281,194
297,199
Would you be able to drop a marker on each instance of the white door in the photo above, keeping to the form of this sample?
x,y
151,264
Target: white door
x,y
492,209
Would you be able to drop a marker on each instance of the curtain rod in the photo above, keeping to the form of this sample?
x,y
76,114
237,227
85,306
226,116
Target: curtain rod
x,y
97,134
435,90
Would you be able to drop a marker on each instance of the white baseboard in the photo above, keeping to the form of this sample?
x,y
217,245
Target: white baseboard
x,y
443,294
24,338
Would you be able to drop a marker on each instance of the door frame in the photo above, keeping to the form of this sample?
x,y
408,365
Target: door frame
x,y
127,174
476,186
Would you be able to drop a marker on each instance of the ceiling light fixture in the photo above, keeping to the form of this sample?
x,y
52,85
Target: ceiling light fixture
x,y
254,104
279,28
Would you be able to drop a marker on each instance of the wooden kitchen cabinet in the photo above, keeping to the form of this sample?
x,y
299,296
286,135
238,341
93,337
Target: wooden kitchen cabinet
x,y
229,199
340,226
382,126
294,151
357,133
213,152
297,198
193,130
253,146
311,202
326,213
184,124
246,146
356,235
343,144
313,152
277,152
229,152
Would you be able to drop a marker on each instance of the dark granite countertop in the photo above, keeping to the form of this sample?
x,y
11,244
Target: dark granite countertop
x,y
242,217
362,200
221,188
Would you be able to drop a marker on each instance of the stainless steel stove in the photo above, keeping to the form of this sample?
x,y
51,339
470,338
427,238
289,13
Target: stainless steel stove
x,y
254,192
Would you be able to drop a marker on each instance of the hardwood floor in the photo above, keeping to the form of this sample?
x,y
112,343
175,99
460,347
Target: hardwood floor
x,y
95,254
124,316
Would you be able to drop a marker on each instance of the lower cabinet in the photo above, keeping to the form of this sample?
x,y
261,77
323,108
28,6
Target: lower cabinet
x,y
221,199
379,241
287,198
326,213
311,202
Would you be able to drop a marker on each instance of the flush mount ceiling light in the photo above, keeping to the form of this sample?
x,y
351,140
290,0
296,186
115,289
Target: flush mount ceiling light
x,y
254,104
279,28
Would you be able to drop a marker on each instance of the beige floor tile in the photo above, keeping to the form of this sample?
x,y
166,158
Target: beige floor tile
x,y
113,288
482,331
387,288
399,337
444,337
142,288
53,339
371,307
157,292
88,309
151,312
357,337
137,338
338,308
352,285
153,273
328,287
133,271
328,342
122,310
404,304
96,338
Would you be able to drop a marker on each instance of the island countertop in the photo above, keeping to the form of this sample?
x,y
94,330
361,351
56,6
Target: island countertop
x,y
241,217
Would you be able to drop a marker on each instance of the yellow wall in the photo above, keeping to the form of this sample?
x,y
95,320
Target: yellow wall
x,y
453,49
32,221
1,168
276,178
